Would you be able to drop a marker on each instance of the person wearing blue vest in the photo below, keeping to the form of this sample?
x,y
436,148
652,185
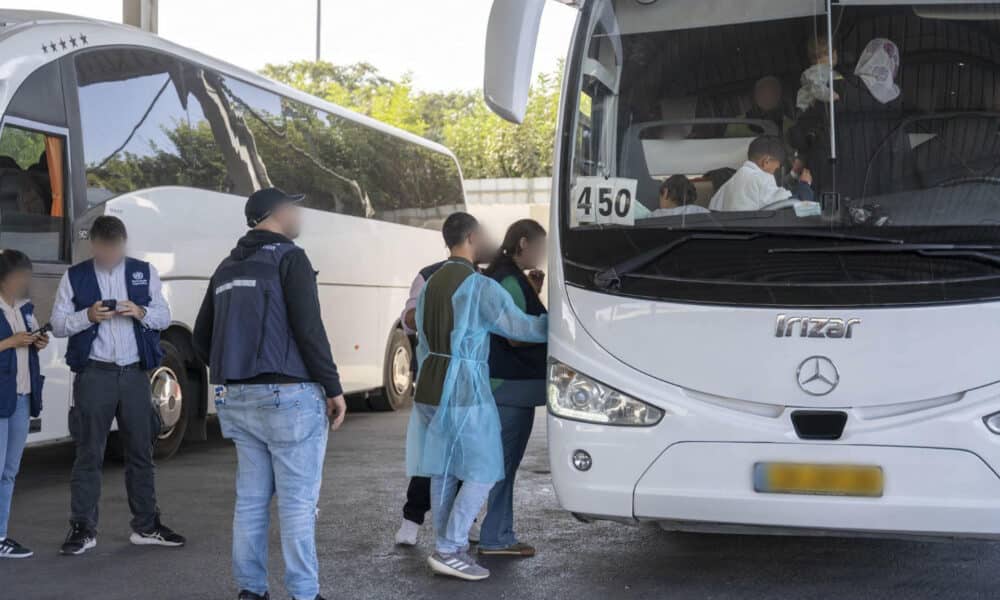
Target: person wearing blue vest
x,y
277,390
112,310
517,378
20,381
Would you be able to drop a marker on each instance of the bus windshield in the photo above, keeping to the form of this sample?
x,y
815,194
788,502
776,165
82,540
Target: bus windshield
x,y
878,120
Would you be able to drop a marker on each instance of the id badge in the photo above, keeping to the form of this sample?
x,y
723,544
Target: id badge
x,y
220,395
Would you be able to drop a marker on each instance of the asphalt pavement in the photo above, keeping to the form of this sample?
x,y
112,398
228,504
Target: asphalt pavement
x,y
360,509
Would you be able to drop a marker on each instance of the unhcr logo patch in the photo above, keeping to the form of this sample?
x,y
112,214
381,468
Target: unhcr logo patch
x,y
139,278
236,283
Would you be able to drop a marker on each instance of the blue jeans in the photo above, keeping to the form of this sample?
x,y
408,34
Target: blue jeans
x,y
454,510
280,432
13,436
455,504
515,429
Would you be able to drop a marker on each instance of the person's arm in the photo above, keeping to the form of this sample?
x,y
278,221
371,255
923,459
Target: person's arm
x,y
504,318
512,287
306,320
766,192
204,324
409,315
158,312
67,321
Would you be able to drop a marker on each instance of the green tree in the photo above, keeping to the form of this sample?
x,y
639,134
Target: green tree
x,y
486,146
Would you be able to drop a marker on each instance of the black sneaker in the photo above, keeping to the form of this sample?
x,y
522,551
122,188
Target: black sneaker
x,y
11,549
79,539
248,595
160,535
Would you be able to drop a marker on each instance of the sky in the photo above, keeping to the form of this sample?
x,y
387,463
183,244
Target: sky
x,y
440,42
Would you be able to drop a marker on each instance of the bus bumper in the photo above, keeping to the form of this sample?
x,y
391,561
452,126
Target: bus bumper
x,y
710,485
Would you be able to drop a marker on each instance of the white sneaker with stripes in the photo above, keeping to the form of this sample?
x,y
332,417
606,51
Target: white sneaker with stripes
x,y
459,565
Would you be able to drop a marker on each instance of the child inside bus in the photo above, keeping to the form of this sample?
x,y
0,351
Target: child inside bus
x,y
754,186
21,383
678,196
815,80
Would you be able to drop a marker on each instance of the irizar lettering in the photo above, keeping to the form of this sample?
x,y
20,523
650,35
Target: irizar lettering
x,y
815,327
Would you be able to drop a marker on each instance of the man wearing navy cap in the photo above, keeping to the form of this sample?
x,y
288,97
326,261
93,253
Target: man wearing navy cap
x,y
277,390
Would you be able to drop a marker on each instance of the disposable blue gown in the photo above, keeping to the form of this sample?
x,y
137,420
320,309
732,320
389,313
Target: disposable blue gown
x,y
463,437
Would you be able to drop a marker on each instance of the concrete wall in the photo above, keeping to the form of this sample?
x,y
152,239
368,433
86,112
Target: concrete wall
x,y
499,202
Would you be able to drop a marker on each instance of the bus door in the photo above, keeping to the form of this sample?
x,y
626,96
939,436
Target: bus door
x,y
35,211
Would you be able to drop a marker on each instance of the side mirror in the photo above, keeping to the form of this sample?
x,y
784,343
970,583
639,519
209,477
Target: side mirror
x,y
510,53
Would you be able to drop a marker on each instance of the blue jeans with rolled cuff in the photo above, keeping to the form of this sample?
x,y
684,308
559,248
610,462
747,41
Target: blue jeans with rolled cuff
x,y
497,531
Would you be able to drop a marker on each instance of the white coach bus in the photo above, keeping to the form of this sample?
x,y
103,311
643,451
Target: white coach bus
x,y
825,367
100,118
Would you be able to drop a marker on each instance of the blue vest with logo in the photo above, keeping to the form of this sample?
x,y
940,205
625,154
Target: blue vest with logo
x,y
86,291
8,369
251,334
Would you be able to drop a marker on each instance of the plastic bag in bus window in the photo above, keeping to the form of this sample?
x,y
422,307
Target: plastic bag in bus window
x,y
603,201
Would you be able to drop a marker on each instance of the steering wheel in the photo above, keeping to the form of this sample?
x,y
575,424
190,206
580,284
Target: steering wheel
x,y
780,204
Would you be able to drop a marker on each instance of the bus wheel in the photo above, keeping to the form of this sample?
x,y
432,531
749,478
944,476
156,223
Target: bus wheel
x,y
169,385
398,391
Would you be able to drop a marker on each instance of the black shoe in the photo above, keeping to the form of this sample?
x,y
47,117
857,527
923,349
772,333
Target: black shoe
x,y
248,595
11,549
160,535
79,539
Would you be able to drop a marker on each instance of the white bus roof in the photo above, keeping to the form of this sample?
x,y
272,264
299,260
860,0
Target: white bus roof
x,y
51,28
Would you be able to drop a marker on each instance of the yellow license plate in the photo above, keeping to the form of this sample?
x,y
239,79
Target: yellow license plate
x,y
826,480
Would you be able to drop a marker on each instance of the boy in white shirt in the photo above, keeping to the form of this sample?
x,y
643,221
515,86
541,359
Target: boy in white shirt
x,y
753,186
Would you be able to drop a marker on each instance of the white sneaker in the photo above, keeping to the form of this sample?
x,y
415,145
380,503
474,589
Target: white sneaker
x,y
407,534
474,533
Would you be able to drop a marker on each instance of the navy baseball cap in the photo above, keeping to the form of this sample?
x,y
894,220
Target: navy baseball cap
x,y
262,203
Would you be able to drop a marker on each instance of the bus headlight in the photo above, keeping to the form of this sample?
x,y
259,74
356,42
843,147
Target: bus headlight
x,y
575,396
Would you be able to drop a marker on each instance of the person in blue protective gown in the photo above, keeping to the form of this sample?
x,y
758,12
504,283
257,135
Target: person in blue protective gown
x,y
454,431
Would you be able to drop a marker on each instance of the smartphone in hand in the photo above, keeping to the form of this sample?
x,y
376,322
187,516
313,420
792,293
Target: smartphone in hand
x,y
110,304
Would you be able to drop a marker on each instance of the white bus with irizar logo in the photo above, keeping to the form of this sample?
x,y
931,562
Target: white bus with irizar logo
x,y
824,366
100,118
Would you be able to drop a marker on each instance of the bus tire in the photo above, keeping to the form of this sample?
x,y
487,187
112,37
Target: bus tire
x,y
398,379
169,386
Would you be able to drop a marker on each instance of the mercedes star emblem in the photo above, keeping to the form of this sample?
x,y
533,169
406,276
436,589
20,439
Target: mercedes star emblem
x,y
817,376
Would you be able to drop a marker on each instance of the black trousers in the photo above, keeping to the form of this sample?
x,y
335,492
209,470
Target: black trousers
x,y
418,499
102,393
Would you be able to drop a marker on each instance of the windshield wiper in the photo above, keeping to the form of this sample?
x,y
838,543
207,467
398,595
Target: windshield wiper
x,y
612,276
978,252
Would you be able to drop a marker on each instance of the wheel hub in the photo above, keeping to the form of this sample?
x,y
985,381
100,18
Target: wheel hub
x,y
402,375
168,398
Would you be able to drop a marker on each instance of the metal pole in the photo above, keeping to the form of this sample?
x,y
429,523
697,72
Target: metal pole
x,y
319,26
829,54
141,14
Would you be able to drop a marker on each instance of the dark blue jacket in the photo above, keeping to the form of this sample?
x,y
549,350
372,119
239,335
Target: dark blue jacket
x,y
86,291
518,362
251,331
8,369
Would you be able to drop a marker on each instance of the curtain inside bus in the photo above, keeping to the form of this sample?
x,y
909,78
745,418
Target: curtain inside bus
x,y
54,158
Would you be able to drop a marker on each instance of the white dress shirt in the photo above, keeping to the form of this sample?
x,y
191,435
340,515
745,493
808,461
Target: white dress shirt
x,y
115,341
750,188
16,321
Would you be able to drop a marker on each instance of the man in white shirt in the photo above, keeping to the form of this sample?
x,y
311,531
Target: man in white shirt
x,y
753,186
112,310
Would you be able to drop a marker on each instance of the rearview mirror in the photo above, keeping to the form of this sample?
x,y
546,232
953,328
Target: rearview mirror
x,y
510,54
